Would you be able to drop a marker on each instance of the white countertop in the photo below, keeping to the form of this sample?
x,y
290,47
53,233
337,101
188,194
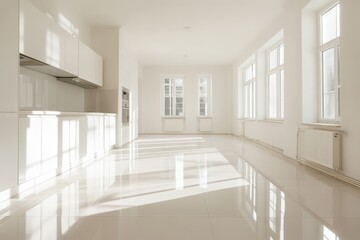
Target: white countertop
x,y
57,113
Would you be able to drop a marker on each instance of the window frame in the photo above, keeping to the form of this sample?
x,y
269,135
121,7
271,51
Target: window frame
x,y
208,111
173,96
323,47
249,82
277,70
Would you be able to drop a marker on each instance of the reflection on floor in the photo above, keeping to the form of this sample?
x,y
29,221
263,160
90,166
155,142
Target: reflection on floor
x,y
186,187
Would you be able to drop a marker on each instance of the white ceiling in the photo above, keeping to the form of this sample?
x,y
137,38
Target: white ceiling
x,y
219,29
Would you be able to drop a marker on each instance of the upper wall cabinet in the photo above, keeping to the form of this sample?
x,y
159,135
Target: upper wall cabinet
x,y
45,46
71,54
35,33
90,65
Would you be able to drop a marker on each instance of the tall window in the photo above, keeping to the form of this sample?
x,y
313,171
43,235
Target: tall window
x,y
204,94
250,91
275,82
329,50
173,96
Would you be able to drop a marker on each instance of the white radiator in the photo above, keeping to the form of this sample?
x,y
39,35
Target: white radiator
x,y
205,124
174,124
322,147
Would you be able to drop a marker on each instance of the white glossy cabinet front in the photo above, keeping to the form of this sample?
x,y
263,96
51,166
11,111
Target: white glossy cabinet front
x,y
49,145
57,47
44,40
29,148
8,150
90,65
71,54
35,33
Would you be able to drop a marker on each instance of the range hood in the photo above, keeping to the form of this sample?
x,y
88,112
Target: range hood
x,y
61,75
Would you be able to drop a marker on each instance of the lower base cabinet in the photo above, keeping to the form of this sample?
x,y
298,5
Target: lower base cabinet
x,y
49,145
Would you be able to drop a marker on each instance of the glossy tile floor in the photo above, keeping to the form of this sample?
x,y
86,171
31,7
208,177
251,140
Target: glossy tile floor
x,y
186,187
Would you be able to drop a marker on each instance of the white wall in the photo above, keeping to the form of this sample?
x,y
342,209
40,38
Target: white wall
x,y
151,110
350,97
283,135
9,64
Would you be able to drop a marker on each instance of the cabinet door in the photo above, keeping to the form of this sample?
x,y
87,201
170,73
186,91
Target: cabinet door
x,y
8,150
57,56
35,33
71,54
49,142
90,65
29,148
98,70
69,142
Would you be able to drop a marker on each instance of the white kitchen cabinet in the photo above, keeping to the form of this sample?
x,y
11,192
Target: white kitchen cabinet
x,y
8,150
35,33
9,57
109,132
70,150
29,148
90,65
49,143
71,54
57,48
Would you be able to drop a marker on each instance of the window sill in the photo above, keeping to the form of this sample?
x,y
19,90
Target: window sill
x,y
260,120
323,125
271,121
204,117
173,117
248,119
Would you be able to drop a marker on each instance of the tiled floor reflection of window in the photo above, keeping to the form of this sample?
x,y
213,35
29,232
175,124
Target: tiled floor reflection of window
x,y
203,174
179,171
250,176
276,213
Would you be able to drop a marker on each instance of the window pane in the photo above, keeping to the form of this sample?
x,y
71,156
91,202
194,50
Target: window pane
x,y
251,103
272,96
329,106
330,23
167,90
253,70
282,94
338,20
203,98
248,74
246,102
281,54
167,106
328,70
339,106
338,64
273,59
253,107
